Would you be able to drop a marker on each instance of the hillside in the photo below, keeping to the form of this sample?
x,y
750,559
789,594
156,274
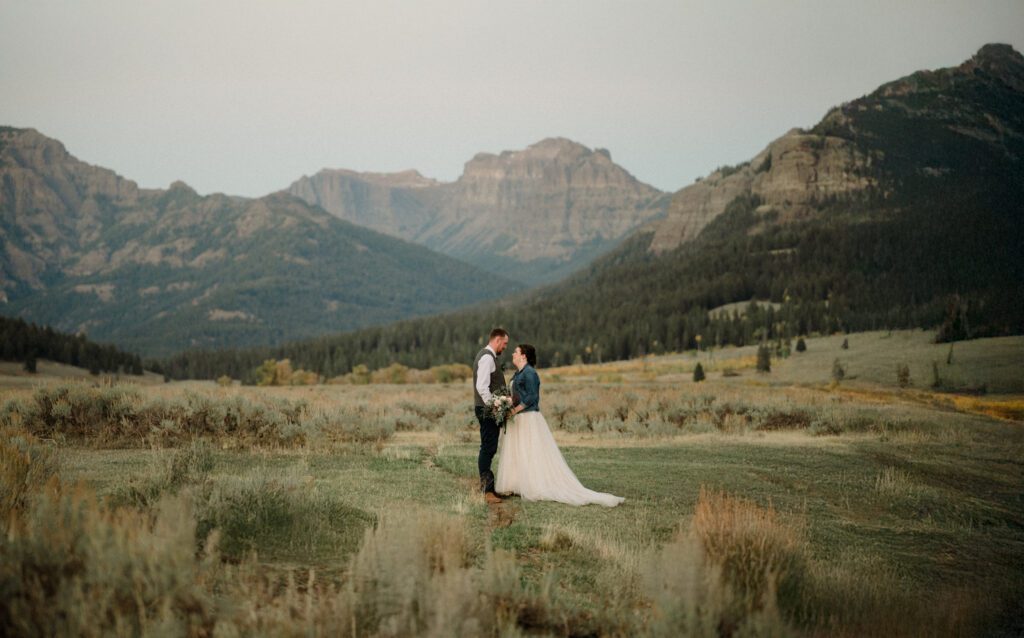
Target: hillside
x,y
535,214
957,130
156,271
920,206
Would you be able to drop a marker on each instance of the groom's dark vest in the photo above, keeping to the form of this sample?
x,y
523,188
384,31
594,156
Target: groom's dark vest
x,y
497,377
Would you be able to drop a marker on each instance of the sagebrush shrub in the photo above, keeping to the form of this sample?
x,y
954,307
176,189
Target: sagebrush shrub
x,y
71,567
122,415
24,467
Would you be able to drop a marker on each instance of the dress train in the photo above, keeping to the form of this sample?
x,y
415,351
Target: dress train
x,y
531,465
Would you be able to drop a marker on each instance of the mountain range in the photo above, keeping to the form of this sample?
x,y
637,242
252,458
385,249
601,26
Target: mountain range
x,y
901,208
86,250
896,209
535,215
160,270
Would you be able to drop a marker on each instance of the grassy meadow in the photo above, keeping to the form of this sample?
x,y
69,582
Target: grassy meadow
x,y
789,503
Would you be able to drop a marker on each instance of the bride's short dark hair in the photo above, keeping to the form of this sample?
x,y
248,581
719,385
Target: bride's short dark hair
x,y
529,352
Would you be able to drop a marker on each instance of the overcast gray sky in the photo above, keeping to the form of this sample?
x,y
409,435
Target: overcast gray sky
x,y
245,97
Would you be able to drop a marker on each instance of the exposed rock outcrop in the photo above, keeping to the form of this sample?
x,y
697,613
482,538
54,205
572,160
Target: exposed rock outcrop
x,y
542,211
909,129
50,204
791,178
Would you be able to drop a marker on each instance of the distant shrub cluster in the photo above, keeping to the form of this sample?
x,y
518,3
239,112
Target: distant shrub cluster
x,y
355,424
273,372
279,372
666,414
399,374
122,415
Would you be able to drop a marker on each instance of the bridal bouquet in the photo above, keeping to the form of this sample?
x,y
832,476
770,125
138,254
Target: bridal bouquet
x,y
500,405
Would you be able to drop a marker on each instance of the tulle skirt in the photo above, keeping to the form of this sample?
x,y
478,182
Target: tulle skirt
x,y
531,465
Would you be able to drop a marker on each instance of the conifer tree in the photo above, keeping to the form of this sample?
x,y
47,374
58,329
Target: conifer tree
x,y
764,359
838,371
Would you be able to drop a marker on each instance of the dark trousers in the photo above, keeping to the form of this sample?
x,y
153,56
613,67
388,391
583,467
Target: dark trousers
x,y
488,447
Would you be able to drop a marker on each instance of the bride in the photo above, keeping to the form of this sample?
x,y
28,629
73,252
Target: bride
x,y
530,463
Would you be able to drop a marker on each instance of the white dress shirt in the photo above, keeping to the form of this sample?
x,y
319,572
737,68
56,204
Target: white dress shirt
x,y
483,375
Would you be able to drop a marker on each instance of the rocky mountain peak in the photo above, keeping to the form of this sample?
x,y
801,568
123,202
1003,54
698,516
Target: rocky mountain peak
x,y
552,151
51,203
180,186
916,127
410,178
998,53
557,160
26,149
557,147
1001,61
32,148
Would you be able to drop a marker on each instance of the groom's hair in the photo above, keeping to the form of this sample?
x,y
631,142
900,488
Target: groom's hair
x,y
498,332
529,352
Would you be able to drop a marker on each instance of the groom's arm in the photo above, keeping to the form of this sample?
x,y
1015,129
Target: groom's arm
x,y
483,377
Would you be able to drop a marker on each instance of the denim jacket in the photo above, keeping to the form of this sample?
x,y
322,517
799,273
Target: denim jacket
x,y
526,385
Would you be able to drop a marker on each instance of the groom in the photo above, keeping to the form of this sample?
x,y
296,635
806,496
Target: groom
x,y
488,379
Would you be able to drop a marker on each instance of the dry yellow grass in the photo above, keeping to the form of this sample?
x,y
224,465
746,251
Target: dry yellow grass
x,y
1011,409
656,367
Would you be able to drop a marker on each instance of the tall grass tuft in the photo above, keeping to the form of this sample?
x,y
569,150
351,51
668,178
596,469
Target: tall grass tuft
x,y
24,467
359,424
689,594
282,517
760,555
894,481
168,472
70,567
417,573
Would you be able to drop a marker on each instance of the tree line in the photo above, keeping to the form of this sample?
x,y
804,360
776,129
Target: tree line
x,y
27,342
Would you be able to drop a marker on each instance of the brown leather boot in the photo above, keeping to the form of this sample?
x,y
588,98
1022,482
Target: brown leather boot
x,y
492,498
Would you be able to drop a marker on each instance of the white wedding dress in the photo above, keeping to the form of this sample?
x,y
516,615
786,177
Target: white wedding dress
x,y
531,465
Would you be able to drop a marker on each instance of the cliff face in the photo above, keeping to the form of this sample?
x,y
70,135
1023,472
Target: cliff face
x,y
791,178
541,203
386,202
908,133
541,211
50,204
82,249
